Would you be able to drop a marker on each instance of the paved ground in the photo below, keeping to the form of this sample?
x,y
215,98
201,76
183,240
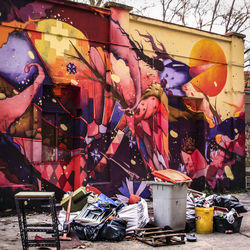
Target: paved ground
x,y
10,237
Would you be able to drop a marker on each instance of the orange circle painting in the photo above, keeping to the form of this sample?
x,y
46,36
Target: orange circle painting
x,y
208,55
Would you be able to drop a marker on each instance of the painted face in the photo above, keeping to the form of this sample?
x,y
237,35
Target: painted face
x,y
174,75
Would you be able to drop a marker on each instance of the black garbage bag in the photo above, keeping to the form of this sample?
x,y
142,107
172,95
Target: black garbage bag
x,y
114,230
87,232
229,202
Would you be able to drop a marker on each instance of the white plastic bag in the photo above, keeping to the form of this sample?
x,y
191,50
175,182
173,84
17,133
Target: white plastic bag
x,y
136,215
62,218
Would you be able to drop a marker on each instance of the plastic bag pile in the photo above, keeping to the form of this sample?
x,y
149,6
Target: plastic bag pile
x,y
94,216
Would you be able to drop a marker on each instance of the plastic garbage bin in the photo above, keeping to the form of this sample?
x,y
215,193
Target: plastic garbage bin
x,y
169,204
204,222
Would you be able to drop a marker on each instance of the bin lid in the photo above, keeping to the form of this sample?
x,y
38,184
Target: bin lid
x,y
171,175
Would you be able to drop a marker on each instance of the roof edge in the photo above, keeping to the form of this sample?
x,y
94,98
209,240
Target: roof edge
x,y
118,5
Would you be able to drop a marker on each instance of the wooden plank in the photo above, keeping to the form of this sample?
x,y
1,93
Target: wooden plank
x,y
167,235
148,228
158,232
34,194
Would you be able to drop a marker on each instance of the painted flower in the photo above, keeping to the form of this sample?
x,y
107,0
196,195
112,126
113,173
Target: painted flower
x,y
95,155
140,188
71,68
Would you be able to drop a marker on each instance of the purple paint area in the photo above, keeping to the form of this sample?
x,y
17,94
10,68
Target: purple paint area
x,y
18,53
35,10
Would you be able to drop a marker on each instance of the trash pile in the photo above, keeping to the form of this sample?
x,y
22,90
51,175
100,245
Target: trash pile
x,y
94,216
177,210
225,212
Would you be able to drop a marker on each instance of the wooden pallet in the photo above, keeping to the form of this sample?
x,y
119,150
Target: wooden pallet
x,y
157,236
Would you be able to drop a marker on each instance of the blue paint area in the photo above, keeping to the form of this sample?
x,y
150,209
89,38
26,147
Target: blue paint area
x,y
136,185
230,127
116,116
88,112
124,189
145,194
80,128
18,53
10,153
174,75
143,149
49,101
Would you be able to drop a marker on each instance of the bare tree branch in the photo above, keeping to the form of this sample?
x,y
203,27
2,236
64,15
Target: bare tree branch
x,y
229,16
214,13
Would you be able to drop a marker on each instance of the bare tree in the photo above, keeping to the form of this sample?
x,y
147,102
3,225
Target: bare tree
x,y
173,10
214,16
208,14
237,17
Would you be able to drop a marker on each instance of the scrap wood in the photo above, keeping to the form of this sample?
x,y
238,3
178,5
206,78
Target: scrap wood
x,y
159,237
157,232
130,236
148,229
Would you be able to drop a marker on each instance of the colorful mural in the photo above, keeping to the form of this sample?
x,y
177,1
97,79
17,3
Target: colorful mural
x,y
82,102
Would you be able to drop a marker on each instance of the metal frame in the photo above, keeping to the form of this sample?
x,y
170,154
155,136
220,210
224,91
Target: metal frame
x,y
20,198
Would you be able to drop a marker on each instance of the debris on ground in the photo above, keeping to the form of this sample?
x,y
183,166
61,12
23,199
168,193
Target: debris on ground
x,y
90,215
226,211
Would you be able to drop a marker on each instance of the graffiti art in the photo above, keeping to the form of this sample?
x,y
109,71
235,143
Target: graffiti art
x,y
83,102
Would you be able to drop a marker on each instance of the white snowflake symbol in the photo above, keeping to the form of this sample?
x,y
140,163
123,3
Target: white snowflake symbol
x,y
71,68
95,155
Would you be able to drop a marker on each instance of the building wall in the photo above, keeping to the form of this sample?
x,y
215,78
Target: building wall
x,y
247,119
247,94
101,97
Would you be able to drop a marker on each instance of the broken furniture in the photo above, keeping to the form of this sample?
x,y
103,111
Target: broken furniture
x,y
158,236
21,200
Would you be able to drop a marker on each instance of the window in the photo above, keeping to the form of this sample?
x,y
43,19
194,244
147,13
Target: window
x,y
56,138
